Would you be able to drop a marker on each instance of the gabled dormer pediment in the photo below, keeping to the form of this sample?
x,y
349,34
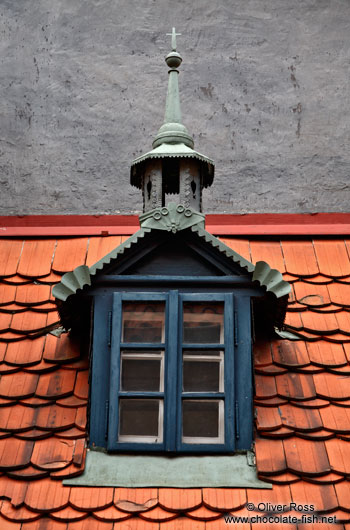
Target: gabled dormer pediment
x,y
173,243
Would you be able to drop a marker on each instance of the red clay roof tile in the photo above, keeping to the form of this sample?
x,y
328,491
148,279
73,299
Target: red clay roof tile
x,y
28,321
9,256
69,254
220,524
335,418
326,354
203,514
13,490
306,457
135,500
28,473
265,386
3,349
58,384
157,514
90,499
71,402
268,418
301,419
7,293
290,353
68,514
44,523
339,455
5,322
339,293
323,498
17,418
20,385
79,453
46,496
296,386
312,295
111,514
87,524
262,353
7,369
55,418
81,388
183,523
17,514
52,454
36,258
270,457
331,386
60,349
70,471
342,490
10,525
14,453
223,499
179,500
25,353
332,257
269,251
32,294
300,258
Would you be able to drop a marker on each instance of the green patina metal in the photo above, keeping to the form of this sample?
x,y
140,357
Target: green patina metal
x,y
173,139
139,471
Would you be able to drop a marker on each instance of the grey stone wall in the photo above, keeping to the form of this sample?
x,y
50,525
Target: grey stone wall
x,y
264,88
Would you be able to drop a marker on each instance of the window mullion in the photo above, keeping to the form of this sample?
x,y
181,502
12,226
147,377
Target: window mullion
x,y
171,354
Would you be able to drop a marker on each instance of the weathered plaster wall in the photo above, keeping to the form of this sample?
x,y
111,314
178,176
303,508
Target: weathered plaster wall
x,y
264,89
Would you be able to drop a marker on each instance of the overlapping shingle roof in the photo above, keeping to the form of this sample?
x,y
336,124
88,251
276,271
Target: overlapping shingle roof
x,y
302,397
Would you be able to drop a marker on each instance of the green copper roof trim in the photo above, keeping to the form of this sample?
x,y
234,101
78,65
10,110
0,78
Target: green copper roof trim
x,y
172,218
178,150
216,243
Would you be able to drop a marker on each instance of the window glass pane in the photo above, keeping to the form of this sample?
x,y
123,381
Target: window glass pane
x,y
140,374
203,322
200,419
201,376
143,322
139,417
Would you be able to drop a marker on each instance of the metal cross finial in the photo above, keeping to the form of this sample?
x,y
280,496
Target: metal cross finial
x,y
173,39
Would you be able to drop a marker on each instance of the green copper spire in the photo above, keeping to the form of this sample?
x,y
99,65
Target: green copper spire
x,y
172,171
173,131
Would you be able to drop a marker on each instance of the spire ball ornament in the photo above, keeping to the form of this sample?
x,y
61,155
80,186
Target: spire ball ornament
x,y
173,60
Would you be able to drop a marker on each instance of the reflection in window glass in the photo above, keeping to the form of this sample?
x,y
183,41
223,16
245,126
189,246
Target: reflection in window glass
x,y
201,376
203,322
139,417
138,375
143,322
200,419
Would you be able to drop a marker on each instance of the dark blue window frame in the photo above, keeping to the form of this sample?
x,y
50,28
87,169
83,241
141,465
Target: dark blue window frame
x,y
105,391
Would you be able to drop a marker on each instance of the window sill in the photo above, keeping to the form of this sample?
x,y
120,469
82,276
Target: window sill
x,y
142,471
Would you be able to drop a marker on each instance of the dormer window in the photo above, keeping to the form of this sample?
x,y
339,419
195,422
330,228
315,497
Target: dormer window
x,y
172,372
